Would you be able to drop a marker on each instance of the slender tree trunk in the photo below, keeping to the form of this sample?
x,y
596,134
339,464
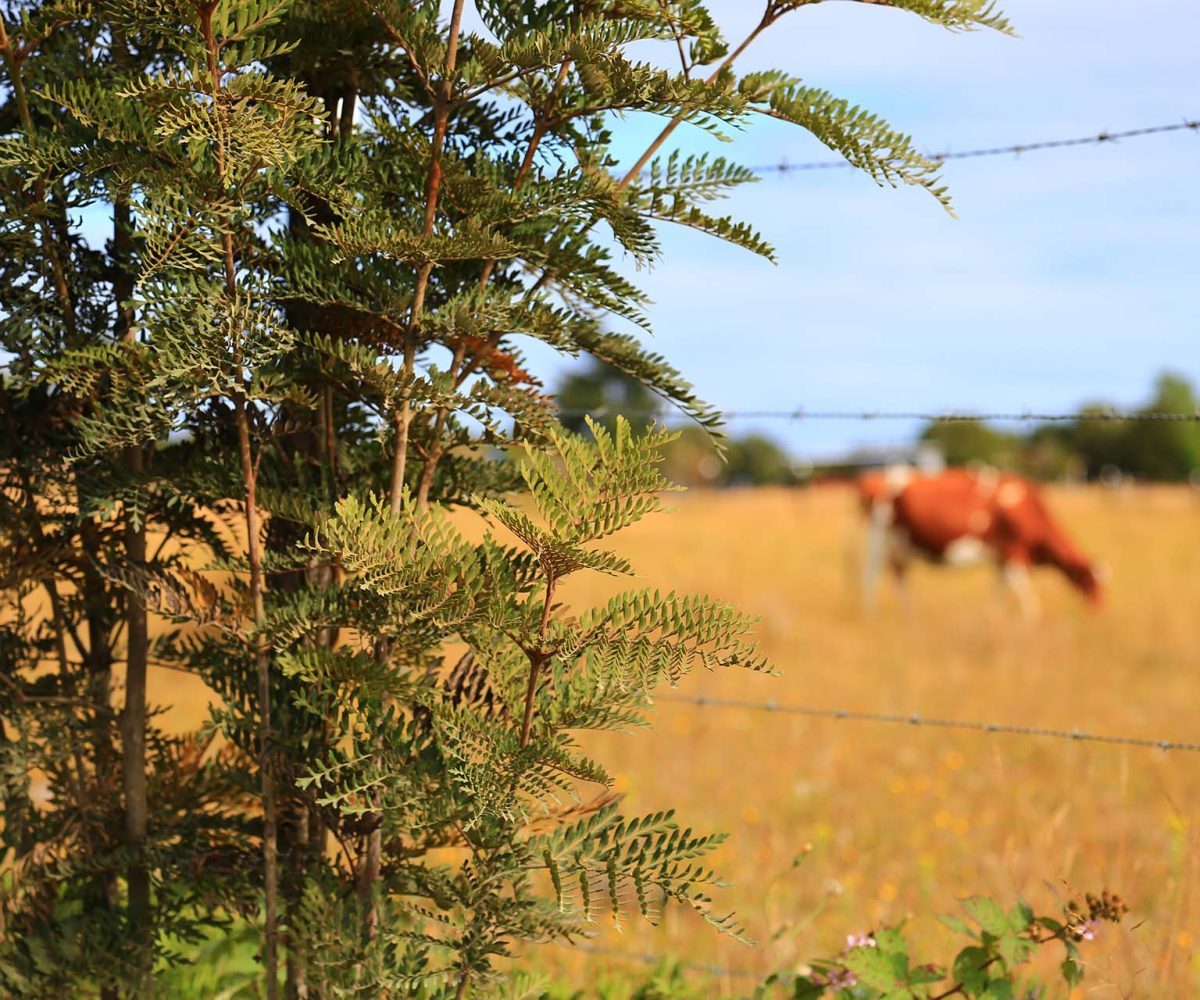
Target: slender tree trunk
x,y
137,646
97,659
263,662
536,660
133,742
297,972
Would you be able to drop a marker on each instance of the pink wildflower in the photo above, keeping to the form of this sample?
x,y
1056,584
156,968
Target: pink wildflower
x,y
840,978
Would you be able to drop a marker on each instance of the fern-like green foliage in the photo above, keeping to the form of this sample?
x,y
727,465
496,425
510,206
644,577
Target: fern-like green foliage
x,y
584,492
644,861
276,429
867,141
536,674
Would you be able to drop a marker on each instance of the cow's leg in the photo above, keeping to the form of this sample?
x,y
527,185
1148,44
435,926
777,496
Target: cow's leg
x,y
1015,574
877,543
898,561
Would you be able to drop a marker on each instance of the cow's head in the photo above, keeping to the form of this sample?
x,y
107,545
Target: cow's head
x,y
1088,579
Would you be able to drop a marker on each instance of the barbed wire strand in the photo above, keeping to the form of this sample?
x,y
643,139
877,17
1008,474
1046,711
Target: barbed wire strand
x,y
783,167
916,719
960,416
938,417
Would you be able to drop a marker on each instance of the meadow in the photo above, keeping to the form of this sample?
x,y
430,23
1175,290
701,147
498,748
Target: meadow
x,y
838,827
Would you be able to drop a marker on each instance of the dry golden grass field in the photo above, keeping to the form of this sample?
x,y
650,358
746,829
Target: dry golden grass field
x,y
894,822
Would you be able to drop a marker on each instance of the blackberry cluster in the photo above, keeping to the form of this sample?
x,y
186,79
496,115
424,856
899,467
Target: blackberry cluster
x,y
1083,918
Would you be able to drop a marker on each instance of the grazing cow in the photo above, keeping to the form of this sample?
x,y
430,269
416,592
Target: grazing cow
x,y
961,516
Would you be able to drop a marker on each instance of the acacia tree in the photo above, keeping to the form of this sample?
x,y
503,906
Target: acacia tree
x,y
332,223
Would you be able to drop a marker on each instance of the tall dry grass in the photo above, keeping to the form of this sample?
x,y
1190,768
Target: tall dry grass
x,y
895,822
892,823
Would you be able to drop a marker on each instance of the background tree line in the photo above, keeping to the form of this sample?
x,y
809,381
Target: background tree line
x,y
1157,451
1160,451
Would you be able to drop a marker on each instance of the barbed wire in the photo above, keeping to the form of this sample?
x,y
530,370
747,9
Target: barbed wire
x,y
916,719
955,416
937,417
783,167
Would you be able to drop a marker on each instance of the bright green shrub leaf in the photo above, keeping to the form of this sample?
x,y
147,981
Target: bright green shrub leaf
x,y
1014,949
959,925
1020,917
987,913
877,969
1071,972
890,941
970,969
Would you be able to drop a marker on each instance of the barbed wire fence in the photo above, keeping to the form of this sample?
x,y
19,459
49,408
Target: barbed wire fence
x,y
664,413
1015,149
966,416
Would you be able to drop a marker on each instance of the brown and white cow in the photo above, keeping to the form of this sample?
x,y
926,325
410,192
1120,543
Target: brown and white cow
x,y
962,516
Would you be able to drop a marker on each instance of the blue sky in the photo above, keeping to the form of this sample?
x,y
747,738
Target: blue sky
x,y
1069,275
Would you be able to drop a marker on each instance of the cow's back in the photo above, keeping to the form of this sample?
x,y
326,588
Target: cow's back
x,y
937,511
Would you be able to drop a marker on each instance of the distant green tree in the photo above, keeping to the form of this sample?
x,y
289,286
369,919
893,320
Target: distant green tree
x,y
1159,450
1048,453
965,441
604,392
1150,449
1163,450
1098,443
756,460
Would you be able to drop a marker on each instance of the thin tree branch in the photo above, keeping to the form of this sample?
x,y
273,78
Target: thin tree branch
x,y
441,107
254,557
535,662
767,20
